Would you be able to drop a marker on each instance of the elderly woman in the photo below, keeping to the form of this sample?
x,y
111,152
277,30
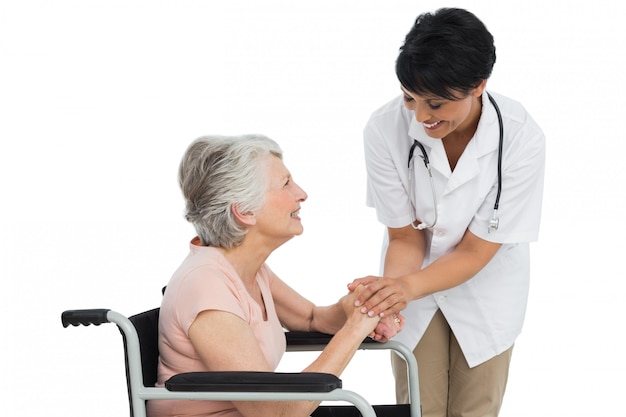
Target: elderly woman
x,y
224,309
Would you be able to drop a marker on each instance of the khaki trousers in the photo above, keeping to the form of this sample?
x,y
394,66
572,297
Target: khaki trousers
x,y
448,386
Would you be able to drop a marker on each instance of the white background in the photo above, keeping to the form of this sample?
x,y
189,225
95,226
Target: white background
x,y
99,99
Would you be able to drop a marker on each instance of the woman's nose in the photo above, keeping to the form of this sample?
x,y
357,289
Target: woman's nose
x,y
302,195
421,113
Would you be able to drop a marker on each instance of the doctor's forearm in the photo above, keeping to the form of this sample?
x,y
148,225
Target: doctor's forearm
x,y
442,275
450,270
405,253
402,259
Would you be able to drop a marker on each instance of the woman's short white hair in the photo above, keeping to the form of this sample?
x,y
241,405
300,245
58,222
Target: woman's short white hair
x,y
218,172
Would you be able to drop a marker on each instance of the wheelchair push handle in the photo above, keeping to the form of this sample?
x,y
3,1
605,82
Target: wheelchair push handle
x,y
95,316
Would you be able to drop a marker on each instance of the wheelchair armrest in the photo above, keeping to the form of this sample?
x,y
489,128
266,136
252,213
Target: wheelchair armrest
x,y
313,339
234,381
307,338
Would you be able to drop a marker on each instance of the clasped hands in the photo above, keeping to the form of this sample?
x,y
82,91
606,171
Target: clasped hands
x,y
382,297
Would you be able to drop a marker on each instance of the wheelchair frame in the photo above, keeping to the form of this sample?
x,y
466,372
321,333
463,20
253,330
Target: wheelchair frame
x,y
268,386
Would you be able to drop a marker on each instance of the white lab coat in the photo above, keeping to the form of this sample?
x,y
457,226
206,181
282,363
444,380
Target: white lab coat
x,y
485,313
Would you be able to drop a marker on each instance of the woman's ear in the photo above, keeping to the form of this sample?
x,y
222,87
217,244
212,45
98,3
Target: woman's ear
x,y
247,218
480,87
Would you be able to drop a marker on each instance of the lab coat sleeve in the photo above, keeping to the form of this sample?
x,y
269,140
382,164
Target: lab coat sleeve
x,y
387,181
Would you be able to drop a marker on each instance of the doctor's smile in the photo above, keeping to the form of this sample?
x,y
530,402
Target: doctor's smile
x,y
432,126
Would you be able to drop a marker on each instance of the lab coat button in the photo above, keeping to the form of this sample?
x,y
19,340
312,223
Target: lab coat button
x,y
439,232
442,299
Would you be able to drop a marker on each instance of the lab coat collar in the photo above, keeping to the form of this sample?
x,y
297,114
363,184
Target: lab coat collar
x,y
485,141
482,143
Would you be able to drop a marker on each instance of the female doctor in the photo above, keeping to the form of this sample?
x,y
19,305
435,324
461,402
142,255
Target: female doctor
x,y
456,176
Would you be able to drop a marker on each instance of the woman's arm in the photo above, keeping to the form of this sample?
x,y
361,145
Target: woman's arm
x,y
391,294
296,313
224,342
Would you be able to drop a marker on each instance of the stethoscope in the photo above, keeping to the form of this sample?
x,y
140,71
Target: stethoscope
x,y
494,222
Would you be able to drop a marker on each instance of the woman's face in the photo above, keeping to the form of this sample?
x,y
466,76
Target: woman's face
x,y
279,218
440,117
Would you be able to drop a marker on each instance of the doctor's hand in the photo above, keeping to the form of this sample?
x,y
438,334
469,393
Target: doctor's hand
x,y
380,296
388,327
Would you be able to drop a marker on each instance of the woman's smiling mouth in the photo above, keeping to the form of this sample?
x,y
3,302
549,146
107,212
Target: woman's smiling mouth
x,y
432,125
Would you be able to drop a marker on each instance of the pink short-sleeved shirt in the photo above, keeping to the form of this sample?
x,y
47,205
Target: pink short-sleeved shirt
x,y
207,281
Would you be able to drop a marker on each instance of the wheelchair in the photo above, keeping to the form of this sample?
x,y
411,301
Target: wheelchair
x,y
140,338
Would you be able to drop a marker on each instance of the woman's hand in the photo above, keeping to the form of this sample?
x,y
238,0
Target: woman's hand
x,y
354,317
388,327
380,296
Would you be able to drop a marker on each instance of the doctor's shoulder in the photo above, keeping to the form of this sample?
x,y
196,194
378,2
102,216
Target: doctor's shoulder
x,y
392,115
523,137
517,120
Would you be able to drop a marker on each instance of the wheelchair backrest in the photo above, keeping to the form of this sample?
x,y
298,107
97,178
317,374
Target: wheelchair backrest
x,y
147,326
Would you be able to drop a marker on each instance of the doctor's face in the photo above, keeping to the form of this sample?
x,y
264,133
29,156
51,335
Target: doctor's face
x,y
440,117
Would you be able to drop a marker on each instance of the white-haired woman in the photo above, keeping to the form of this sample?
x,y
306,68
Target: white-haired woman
x,y
224,309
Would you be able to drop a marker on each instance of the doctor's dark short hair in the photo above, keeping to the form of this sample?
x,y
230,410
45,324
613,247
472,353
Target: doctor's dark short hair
x,y
217,172
445,52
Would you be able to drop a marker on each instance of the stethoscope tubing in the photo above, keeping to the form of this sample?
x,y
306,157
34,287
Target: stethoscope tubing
x,y
494,221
